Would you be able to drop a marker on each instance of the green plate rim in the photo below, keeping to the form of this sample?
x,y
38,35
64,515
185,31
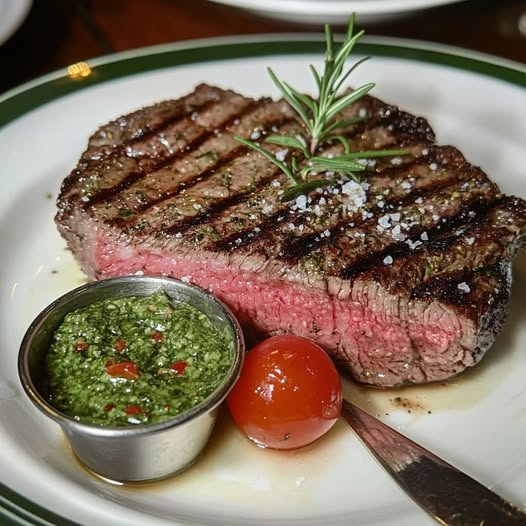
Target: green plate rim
x,y
21,100
17,510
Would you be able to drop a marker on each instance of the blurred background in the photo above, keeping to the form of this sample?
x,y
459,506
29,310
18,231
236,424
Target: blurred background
x,y
40,36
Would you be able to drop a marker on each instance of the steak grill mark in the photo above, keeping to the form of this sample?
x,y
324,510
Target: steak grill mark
x,y
223,161
294,251
245,238
440,238
394,117
180,113
302,246
108,193
218,207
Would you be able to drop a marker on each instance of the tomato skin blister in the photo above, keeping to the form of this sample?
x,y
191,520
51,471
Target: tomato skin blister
x,y
288,395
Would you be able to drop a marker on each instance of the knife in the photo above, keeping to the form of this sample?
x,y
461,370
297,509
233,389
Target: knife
x,y
451,497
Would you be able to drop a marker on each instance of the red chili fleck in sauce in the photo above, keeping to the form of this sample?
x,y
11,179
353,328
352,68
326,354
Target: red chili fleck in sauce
x,y
178,367
120,345
157,336
128,370
81,346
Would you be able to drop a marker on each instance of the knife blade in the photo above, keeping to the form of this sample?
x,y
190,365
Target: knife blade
x,y
450,496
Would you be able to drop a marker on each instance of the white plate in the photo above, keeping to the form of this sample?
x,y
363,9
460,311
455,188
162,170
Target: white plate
x,y
477,422
334,11
12,14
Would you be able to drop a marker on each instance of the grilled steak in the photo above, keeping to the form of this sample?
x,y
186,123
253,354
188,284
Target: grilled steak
x,y
403,278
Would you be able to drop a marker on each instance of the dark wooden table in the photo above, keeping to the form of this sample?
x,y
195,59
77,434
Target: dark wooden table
x,y
61,32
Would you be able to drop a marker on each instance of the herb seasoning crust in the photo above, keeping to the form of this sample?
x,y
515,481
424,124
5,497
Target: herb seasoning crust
x,y
135,360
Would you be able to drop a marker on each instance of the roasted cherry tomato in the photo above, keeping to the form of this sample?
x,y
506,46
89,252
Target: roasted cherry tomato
x,y
288,394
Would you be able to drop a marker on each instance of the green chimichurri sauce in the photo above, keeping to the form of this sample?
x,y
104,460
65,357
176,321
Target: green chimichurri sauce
x,y
135,360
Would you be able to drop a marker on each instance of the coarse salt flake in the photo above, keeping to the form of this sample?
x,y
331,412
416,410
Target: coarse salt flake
x,y
281,155
470,240
365,185
413,244
424,236
464,287
406,185
356,192
301,202
388,260
384,221
433,166
255,135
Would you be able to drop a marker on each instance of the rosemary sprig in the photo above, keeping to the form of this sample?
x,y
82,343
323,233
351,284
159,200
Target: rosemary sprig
x,y
321,122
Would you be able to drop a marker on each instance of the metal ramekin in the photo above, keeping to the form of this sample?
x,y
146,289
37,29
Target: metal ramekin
x,y
142,452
